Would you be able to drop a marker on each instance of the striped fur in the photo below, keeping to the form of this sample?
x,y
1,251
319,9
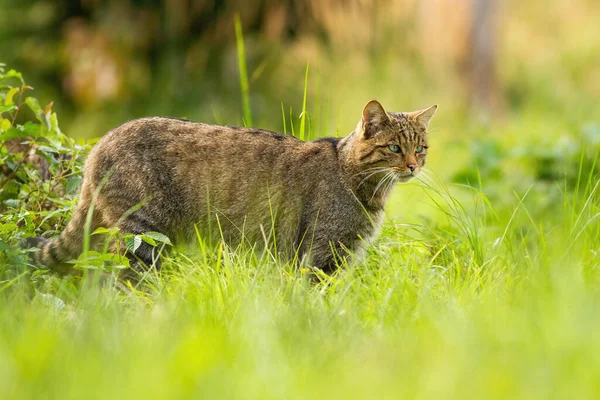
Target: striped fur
x,y
307,198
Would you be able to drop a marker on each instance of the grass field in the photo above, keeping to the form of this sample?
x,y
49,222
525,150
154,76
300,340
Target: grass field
x,y
480,303
484,284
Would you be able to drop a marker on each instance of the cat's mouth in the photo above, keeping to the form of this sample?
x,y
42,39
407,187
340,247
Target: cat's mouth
x,y
406,176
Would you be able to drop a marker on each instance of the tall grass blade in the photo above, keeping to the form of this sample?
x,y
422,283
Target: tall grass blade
x,y
239,38
283,118
303,114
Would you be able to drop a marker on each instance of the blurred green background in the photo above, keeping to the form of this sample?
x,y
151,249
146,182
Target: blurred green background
x,y
517,82
106,61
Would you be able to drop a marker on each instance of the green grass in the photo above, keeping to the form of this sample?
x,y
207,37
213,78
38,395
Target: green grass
x,y
474,305
467,294
244,87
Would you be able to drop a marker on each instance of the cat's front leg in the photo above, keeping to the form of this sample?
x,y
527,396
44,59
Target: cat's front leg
x,y
328,254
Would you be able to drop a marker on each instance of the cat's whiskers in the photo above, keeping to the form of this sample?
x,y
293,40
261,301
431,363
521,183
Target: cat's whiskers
x,y
367,170
391,184
379,169
426,178
387,176
426,171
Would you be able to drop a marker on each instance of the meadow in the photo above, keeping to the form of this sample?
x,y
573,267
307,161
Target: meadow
x,y
464,295
484,283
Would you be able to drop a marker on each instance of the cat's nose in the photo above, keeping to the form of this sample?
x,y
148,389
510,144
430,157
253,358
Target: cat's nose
x,y
412,166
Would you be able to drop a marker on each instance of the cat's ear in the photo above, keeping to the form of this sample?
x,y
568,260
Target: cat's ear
x,y
423,116
373,115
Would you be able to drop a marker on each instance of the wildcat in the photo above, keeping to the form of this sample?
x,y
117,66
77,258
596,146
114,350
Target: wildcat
x,y
319,201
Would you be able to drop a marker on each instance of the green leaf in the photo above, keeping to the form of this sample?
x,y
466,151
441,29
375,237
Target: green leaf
x,y
73,183
60,212
88,260
133,242
8,101
102,231
112,261
5,124
54,125
7,109
96,260
14,74
149,240
159,237
34,129
4,228
47,149
10,202
39,272
112,267
13,133
34,105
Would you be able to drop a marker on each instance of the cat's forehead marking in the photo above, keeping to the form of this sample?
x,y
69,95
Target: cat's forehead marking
x,y
406,129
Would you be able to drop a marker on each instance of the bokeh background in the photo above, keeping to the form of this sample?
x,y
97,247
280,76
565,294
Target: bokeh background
x,y
518,82
106,61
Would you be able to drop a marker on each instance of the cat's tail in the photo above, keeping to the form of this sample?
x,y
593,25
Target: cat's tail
x,y
68,245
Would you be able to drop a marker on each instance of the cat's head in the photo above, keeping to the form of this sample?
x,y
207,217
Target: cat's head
x,y
391,142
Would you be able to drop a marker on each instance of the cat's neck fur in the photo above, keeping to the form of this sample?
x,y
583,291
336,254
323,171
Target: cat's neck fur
x,y
357,180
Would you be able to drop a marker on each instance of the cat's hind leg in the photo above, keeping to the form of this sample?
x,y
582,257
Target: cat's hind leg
x,y
146,257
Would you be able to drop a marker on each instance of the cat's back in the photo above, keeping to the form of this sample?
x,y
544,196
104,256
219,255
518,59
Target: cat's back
x,y
171,149
180,141
174,132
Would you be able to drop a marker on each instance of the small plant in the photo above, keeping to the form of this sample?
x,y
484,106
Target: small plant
x,y
40,176
40,171
568,165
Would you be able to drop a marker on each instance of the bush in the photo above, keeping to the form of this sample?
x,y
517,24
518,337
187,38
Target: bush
x,y
553,169
40,172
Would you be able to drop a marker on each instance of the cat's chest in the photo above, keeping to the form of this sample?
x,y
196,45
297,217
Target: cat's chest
x,y
371,226
367,231
359,223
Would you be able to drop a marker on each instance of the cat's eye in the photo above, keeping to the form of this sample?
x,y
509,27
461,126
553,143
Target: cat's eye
x,y
419,149
395,148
